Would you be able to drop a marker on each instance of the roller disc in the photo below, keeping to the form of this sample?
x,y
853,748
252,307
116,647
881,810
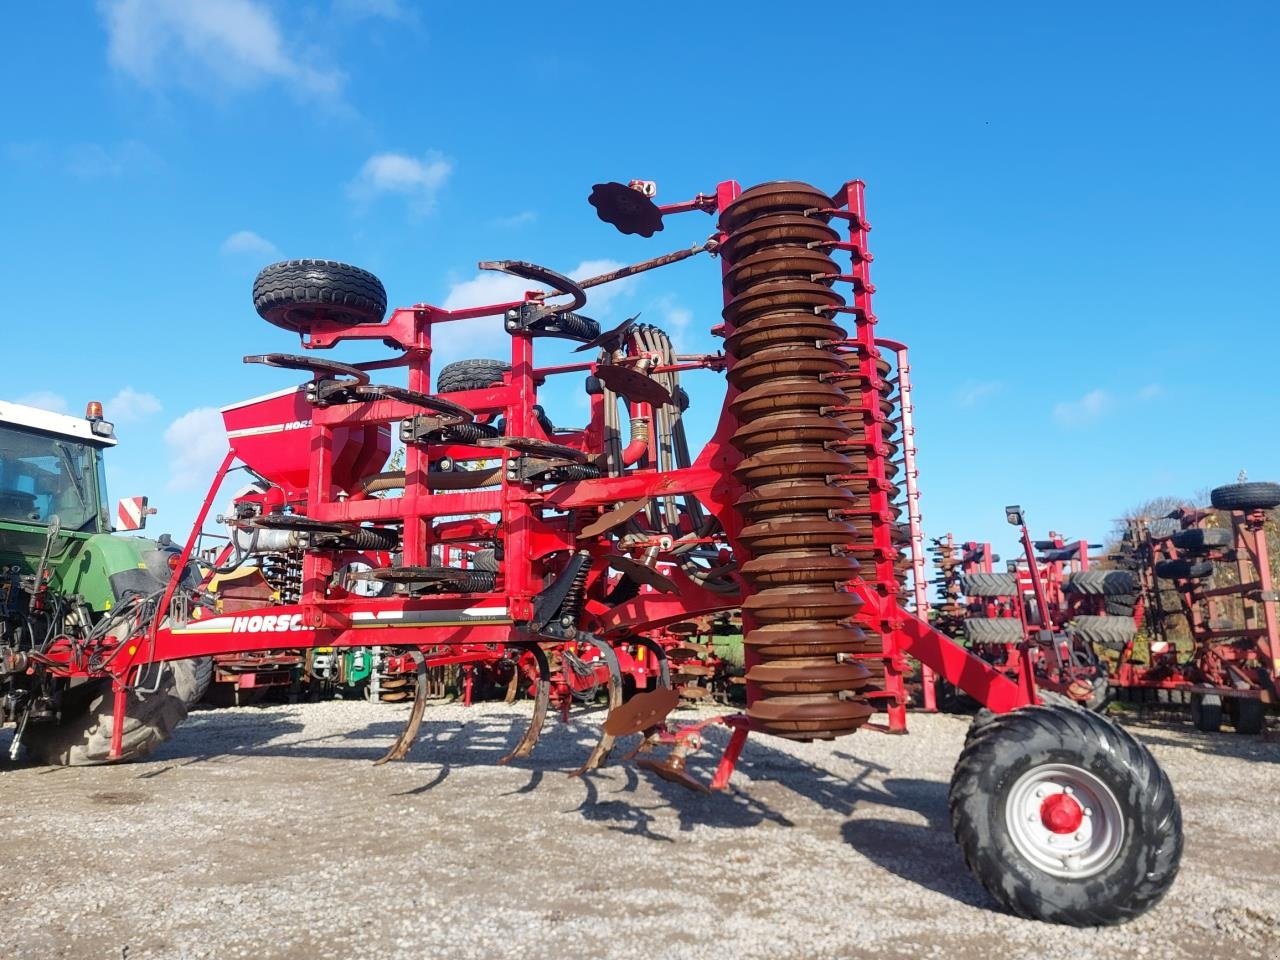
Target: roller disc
x,y
780,296
779,263
791,460
774,329
785,428
786,604
812,717
798,568
786,393
795,533
785,360
787,229
811,638
810,675
781,196
786,498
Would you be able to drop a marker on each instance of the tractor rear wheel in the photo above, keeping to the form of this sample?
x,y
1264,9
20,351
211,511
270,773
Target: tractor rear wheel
x,y
296,294
82,736
1063,817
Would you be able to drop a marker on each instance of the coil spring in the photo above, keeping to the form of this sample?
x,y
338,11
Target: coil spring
x,y
571,608
283,573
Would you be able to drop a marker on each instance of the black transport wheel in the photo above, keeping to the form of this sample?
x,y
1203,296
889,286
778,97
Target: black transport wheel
x,y
297,294
1184,569
1102,582
1206,712
471,374
1246,496
1064,817
989,585
1203,538
1249,715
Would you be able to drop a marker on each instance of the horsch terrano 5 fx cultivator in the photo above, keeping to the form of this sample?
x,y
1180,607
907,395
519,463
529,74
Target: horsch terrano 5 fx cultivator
x,y
505,538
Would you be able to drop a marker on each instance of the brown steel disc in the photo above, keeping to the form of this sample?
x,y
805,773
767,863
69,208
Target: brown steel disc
x,y
772,329
788,427
779,296
795,533
853,360
785,498
784,604
808,675
785,360
779,263
797,568
788,461
785,393
785,229
806,717
810,638
779,196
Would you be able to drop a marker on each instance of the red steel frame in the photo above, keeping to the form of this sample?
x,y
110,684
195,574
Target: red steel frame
x,y
456,628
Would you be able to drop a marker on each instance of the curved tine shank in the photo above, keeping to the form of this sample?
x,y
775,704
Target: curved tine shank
x,y
664,668
541,698
410,732
601,752
316,365
558,282
446,408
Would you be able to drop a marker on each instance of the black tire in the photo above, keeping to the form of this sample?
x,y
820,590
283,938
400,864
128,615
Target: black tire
x,y
1206,712
1255,495
1101,582
993,630
200,679
82,736
296,294
1203,538
1184,569
989,585
1113,633
1121,606
1250,716
470,374
1054,745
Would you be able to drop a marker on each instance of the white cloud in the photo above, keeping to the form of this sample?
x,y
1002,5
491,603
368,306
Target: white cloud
x,y
45,400
673,317
1151,391
418,180
207,45
246,241
490,286
96,161
393,10
1089,408
975,390
517,219
129,405
197,442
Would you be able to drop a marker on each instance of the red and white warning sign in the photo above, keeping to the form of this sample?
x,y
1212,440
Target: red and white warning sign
x,y
131,514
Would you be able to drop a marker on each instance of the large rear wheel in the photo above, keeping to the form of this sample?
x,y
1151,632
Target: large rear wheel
x,y
1064,817
82,735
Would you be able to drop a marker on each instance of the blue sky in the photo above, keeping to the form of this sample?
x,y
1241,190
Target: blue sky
x,y
1075,208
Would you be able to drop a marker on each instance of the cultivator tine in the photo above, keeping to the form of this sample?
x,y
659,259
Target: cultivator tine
x,y
541,698
410,733
601,751
540,274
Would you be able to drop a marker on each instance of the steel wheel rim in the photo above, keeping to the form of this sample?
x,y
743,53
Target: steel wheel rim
x,y
1083,852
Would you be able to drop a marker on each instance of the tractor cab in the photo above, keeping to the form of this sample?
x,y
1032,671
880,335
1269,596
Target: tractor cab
x,y
52,465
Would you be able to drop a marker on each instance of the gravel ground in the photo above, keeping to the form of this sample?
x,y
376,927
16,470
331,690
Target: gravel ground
x,y
264,832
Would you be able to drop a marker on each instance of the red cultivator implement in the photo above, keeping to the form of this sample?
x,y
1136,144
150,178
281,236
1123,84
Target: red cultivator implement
x,y
1211,569
574,552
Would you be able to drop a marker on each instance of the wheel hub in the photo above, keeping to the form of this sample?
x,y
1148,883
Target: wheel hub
x,y
1064,820
1061,813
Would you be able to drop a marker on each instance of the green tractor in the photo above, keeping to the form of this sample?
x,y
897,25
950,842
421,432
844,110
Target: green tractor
x,y
66,577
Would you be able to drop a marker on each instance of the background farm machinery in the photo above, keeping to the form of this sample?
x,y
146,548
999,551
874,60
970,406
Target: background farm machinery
x,y
1208,586
576,559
